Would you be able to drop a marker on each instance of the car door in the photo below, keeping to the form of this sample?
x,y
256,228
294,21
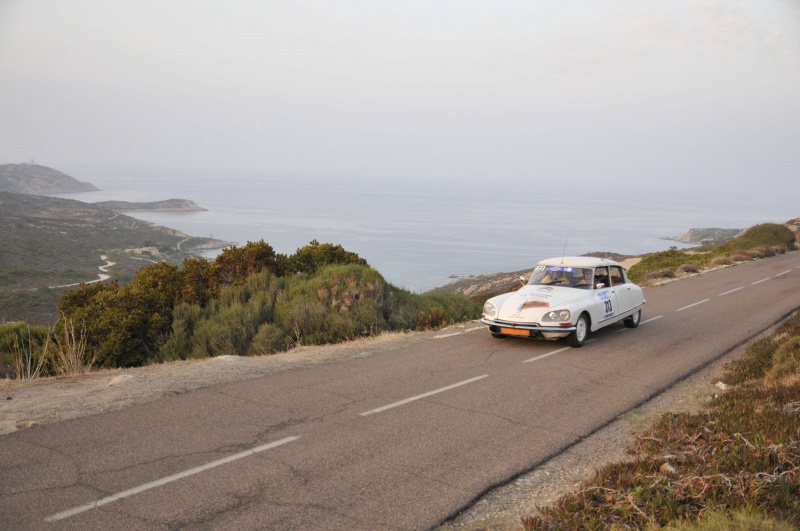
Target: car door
x,y
622,290
606,307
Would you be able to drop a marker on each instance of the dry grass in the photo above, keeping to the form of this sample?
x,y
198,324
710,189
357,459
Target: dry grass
x,y
720,261
735,465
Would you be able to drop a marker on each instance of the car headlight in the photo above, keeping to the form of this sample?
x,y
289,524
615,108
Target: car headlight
x,y
489,310
558,315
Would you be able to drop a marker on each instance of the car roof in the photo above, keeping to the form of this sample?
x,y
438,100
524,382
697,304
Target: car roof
x,y
578,261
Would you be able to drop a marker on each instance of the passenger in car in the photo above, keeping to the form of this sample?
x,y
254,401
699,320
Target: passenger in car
x,y
601,277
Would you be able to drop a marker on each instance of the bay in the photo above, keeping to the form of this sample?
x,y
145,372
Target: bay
x,y
421,234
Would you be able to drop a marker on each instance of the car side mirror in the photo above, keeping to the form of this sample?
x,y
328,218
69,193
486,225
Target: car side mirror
x,y
522,280
599,285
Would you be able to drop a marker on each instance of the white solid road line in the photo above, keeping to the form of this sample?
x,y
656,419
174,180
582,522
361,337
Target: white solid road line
x,y
169,479
731,291
423,395
691,305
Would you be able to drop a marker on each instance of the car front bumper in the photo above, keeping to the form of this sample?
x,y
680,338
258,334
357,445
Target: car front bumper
x,y
528,329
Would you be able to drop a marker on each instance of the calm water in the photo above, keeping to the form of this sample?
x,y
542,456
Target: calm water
x,y
418,235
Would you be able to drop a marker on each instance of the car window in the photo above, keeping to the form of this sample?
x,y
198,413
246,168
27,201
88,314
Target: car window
x,y
601,277
573,277
616,275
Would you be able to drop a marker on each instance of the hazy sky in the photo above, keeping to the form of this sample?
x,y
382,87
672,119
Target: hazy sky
x,y
656,91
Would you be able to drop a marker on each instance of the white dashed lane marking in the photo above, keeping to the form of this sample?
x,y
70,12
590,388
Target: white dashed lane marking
x,y
692,305
169,479
651,320
442,336
547,354
731,291
423,395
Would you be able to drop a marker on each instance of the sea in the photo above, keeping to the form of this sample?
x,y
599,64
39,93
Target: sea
x,y
423,234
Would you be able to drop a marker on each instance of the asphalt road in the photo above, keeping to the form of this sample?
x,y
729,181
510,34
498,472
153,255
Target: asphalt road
x,y
397,440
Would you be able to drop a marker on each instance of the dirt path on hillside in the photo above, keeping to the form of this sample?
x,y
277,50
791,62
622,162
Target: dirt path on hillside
x,y
100,276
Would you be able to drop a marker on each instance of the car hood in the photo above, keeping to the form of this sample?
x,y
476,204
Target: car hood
x,y
529,303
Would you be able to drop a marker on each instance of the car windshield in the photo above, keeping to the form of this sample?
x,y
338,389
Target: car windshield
x,y
568,276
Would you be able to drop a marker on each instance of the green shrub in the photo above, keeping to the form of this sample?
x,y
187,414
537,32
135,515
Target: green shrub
x,y
433,318
235,264
315,255
268,340
764,235
178,345
213,338
270,314
339,302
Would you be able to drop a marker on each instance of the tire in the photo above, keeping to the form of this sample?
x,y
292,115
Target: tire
x,y
495,334
578,337
633,320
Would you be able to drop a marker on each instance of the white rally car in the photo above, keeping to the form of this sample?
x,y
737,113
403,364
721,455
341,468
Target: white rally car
x,y
566,297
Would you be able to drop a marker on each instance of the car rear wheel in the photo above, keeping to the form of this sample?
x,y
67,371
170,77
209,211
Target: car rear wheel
x,y
633,320
578,337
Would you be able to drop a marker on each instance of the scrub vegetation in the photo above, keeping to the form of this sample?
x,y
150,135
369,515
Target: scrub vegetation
x,y
759,241
248,301
735,465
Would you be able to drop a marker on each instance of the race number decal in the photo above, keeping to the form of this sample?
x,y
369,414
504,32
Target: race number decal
x,y
609,309
608,305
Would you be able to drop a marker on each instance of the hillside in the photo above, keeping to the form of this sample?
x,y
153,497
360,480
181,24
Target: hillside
x,y
168,205
29,178
49,242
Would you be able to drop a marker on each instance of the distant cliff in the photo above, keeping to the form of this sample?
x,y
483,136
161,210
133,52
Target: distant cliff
x,y
29,178
170,205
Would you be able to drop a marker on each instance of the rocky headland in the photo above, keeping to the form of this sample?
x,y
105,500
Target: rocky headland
x,y
168,205
30,178
706,236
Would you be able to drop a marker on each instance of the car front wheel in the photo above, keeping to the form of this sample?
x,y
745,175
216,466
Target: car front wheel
x,y
578,337
633,320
